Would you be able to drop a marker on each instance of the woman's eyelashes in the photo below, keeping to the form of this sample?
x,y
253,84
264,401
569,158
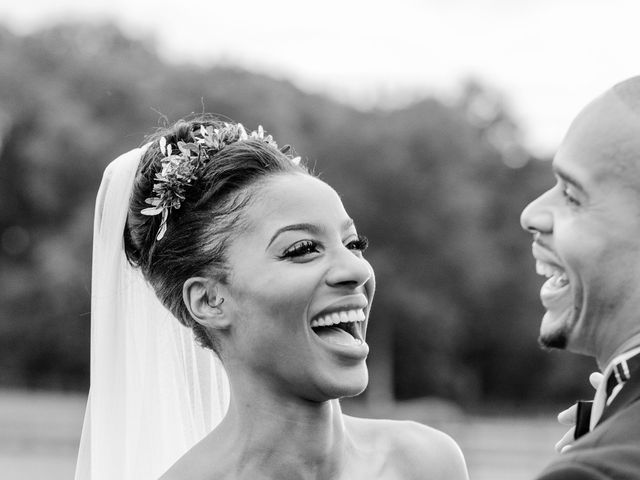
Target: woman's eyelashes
x,y
306,249
361,243
301,249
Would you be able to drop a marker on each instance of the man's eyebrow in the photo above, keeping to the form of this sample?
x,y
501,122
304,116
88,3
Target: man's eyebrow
x,y
565,177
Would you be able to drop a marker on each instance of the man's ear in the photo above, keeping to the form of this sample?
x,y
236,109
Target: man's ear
x,y
202,297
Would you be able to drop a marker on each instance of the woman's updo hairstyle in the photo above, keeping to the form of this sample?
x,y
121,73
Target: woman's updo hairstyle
x,y
197,232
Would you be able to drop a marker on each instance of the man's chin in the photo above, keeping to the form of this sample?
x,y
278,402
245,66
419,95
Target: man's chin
x,y
554,331
557,341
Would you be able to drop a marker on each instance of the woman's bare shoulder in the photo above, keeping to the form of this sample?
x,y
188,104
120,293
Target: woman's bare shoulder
x,y
414,447
198,463
187,468
177,471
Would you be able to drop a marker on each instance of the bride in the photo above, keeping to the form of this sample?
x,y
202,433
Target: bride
x,y
259,259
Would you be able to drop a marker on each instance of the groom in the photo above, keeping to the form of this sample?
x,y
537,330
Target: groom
x,y
586,240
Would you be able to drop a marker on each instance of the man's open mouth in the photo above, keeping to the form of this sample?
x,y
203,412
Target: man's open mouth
x,y
557,283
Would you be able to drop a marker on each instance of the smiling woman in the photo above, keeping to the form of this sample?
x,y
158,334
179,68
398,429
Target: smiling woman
x,y
260,259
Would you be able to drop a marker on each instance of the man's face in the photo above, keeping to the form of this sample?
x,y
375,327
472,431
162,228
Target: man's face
x,y
587,233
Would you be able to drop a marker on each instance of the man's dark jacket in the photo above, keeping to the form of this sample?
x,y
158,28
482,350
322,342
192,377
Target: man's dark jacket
x,y
612,450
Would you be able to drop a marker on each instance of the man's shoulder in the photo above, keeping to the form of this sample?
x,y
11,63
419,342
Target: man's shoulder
x,y
619,430
610,462
611,451
572,471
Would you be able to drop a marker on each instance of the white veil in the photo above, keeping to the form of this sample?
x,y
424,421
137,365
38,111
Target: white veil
x,y
154,392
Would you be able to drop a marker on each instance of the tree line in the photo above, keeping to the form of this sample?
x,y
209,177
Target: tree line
x,y
436,186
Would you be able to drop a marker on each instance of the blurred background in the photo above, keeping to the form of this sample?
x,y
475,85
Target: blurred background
x,y
435,121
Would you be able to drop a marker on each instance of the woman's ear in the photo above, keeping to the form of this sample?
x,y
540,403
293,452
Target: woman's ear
x,y
202,297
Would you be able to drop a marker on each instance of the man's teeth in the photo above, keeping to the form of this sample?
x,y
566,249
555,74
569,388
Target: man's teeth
x,y
348,316
558,278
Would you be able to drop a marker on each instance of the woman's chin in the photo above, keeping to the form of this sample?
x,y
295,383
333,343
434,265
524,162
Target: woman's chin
x,y
346,384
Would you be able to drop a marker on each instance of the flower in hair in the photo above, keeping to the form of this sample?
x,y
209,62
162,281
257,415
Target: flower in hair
x,y
180,166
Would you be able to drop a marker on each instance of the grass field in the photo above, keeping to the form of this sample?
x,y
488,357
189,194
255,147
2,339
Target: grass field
x,y
39,436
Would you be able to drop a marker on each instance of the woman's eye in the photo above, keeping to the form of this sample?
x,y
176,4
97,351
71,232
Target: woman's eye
x,y
360,244
301,249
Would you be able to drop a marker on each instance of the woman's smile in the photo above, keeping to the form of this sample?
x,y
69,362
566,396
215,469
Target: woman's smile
x,y
342,326
300,291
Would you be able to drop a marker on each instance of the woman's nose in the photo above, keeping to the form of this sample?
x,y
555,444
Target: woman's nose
x,y
349,269
537,216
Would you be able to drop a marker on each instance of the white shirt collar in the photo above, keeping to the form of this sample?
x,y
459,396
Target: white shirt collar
x,y
600,398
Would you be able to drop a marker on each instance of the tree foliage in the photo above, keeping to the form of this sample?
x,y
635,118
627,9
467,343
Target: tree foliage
x,y
432,186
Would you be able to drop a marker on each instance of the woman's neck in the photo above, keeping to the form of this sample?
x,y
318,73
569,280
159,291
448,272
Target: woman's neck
x,y
282,436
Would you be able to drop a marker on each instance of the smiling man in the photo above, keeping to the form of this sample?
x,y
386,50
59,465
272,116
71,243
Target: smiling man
x,y
586,240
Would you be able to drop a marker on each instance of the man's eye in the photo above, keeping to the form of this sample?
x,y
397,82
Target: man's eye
x,y
566,193
300,249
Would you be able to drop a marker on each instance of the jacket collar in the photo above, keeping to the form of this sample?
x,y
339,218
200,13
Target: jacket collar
x,y
629,393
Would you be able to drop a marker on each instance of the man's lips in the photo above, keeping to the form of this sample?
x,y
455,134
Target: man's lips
x,y
554,292
544,254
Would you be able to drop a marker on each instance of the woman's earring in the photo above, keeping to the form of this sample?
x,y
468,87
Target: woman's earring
x,y
217,304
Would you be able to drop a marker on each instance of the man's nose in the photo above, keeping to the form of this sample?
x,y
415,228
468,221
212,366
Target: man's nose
x,y
537,216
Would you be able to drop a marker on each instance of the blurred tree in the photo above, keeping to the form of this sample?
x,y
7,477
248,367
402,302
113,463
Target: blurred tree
x,y
434,186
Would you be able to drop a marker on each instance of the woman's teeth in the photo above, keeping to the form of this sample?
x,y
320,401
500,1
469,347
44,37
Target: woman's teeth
x,y
557,277
348,316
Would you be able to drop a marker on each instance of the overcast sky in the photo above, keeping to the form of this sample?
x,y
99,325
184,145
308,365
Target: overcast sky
x,y
549,57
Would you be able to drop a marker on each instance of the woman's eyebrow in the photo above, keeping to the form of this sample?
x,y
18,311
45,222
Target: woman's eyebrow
x,y
306,227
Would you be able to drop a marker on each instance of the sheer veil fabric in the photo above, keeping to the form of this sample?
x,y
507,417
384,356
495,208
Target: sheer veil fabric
x,y
154,392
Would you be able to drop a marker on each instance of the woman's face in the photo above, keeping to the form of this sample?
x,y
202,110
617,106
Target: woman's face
x,y
299,292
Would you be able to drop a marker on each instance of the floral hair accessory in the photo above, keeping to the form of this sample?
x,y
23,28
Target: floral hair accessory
x,y
180,166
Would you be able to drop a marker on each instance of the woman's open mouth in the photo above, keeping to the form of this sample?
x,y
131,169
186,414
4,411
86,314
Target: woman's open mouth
x,y
344,327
